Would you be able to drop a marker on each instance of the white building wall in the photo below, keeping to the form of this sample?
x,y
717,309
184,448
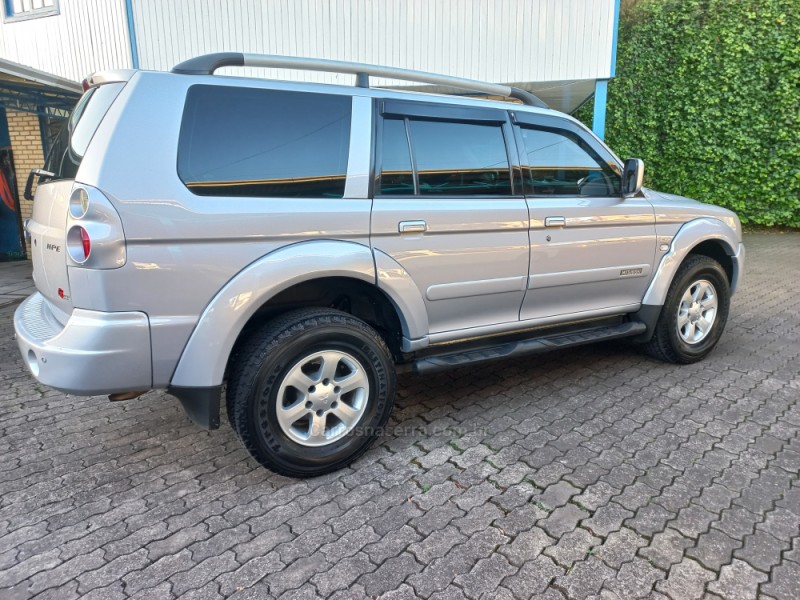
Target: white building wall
x,y
509,41
86,36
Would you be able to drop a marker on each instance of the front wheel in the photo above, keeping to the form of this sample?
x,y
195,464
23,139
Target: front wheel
x,y
694,313
310,391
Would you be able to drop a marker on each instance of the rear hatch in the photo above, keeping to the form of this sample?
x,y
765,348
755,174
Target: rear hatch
x,y
47,226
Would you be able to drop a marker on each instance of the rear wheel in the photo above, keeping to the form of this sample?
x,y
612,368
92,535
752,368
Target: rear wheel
x,y
695,312
309,392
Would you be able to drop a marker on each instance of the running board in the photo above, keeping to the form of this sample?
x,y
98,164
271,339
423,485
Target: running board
x,y
537,345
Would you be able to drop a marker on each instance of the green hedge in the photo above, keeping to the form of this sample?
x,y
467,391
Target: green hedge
x,y
707,92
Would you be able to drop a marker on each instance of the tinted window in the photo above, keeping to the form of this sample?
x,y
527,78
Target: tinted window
x,y
252,142
460,158
396,174
560,163
73,139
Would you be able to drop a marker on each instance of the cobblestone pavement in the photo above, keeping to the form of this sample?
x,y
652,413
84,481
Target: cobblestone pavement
x,y
15,282
590,472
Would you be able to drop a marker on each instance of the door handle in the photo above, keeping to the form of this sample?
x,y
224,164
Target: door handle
x,y
555,221
412,227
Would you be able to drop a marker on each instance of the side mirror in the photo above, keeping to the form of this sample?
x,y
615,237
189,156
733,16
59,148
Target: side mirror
x,y
632,176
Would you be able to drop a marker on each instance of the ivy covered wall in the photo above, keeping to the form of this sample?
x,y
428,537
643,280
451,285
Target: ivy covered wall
x,y
707,92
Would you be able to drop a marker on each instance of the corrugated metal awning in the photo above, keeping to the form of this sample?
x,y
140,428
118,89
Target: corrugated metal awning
x,y
30,90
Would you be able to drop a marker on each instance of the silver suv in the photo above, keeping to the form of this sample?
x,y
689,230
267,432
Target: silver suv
x,y
301,243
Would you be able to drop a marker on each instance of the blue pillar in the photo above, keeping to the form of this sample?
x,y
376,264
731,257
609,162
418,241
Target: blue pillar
x,y
600,99
132,34
601,85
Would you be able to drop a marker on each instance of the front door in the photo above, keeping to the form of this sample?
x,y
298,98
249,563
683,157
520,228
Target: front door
x,y
592,251
445,208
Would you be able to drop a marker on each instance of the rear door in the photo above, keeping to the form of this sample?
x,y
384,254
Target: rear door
x,y
591,249
51,202
447,209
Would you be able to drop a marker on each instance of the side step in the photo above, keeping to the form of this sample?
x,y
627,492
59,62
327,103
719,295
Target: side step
x,y
452,360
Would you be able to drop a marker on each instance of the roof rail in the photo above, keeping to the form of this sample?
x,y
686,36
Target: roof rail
x,y
208,63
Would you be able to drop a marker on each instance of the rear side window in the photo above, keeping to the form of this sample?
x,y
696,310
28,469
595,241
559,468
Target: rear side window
x,y
254,142
73,139
450,158
561,164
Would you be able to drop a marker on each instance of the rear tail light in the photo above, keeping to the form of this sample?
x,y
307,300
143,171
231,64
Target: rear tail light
x,y
95,238
87,244
79,245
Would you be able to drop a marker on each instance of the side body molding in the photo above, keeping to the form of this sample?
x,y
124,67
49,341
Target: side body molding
x,y
203,361
398,285
688,236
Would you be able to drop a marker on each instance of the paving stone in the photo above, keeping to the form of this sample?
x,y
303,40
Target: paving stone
x,y
112,571
585,579
390,574
485,576
343,574
533,577
713,549
296,574
761,551
526,546
249,574
737,522
784,581
350,543
437,544
557,495
572,546
176,542
262,544
436,518
563,519
667,548
438,574
158,571
619,547
203,572
606,519
686,580
650,520
66,571
635,579
693,520
737,580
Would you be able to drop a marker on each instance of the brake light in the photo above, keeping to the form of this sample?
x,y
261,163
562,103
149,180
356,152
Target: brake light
x,y
87,243
79,245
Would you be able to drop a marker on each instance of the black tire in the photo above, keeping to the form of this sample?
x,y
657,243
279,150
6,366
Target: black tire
x,y
271,354
666,343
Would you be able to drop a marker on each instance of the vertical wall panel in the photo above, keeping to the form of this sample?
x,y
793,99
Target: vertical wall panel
x,y
87,36
495,40
512,41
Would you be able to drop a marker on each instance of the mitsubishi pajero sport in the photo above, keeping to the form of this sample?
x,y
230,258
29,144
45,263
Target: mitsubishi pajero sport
x,y
300,243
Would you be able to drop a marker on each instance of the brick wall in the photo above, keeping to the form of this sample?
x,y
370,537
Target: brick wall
x,y
26,143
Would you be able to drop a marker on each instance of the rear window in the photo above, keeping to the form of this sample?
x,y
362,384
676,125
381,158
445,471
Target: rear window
x,y
73,139
254,142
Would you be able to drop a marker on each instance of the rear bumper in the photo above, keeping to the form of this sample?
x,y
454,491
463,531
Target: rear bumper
x,y
94,353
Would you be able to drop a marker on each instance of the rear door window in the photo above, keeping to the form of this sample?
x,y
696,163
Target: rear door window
x,y
238,141
445,157
460,159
